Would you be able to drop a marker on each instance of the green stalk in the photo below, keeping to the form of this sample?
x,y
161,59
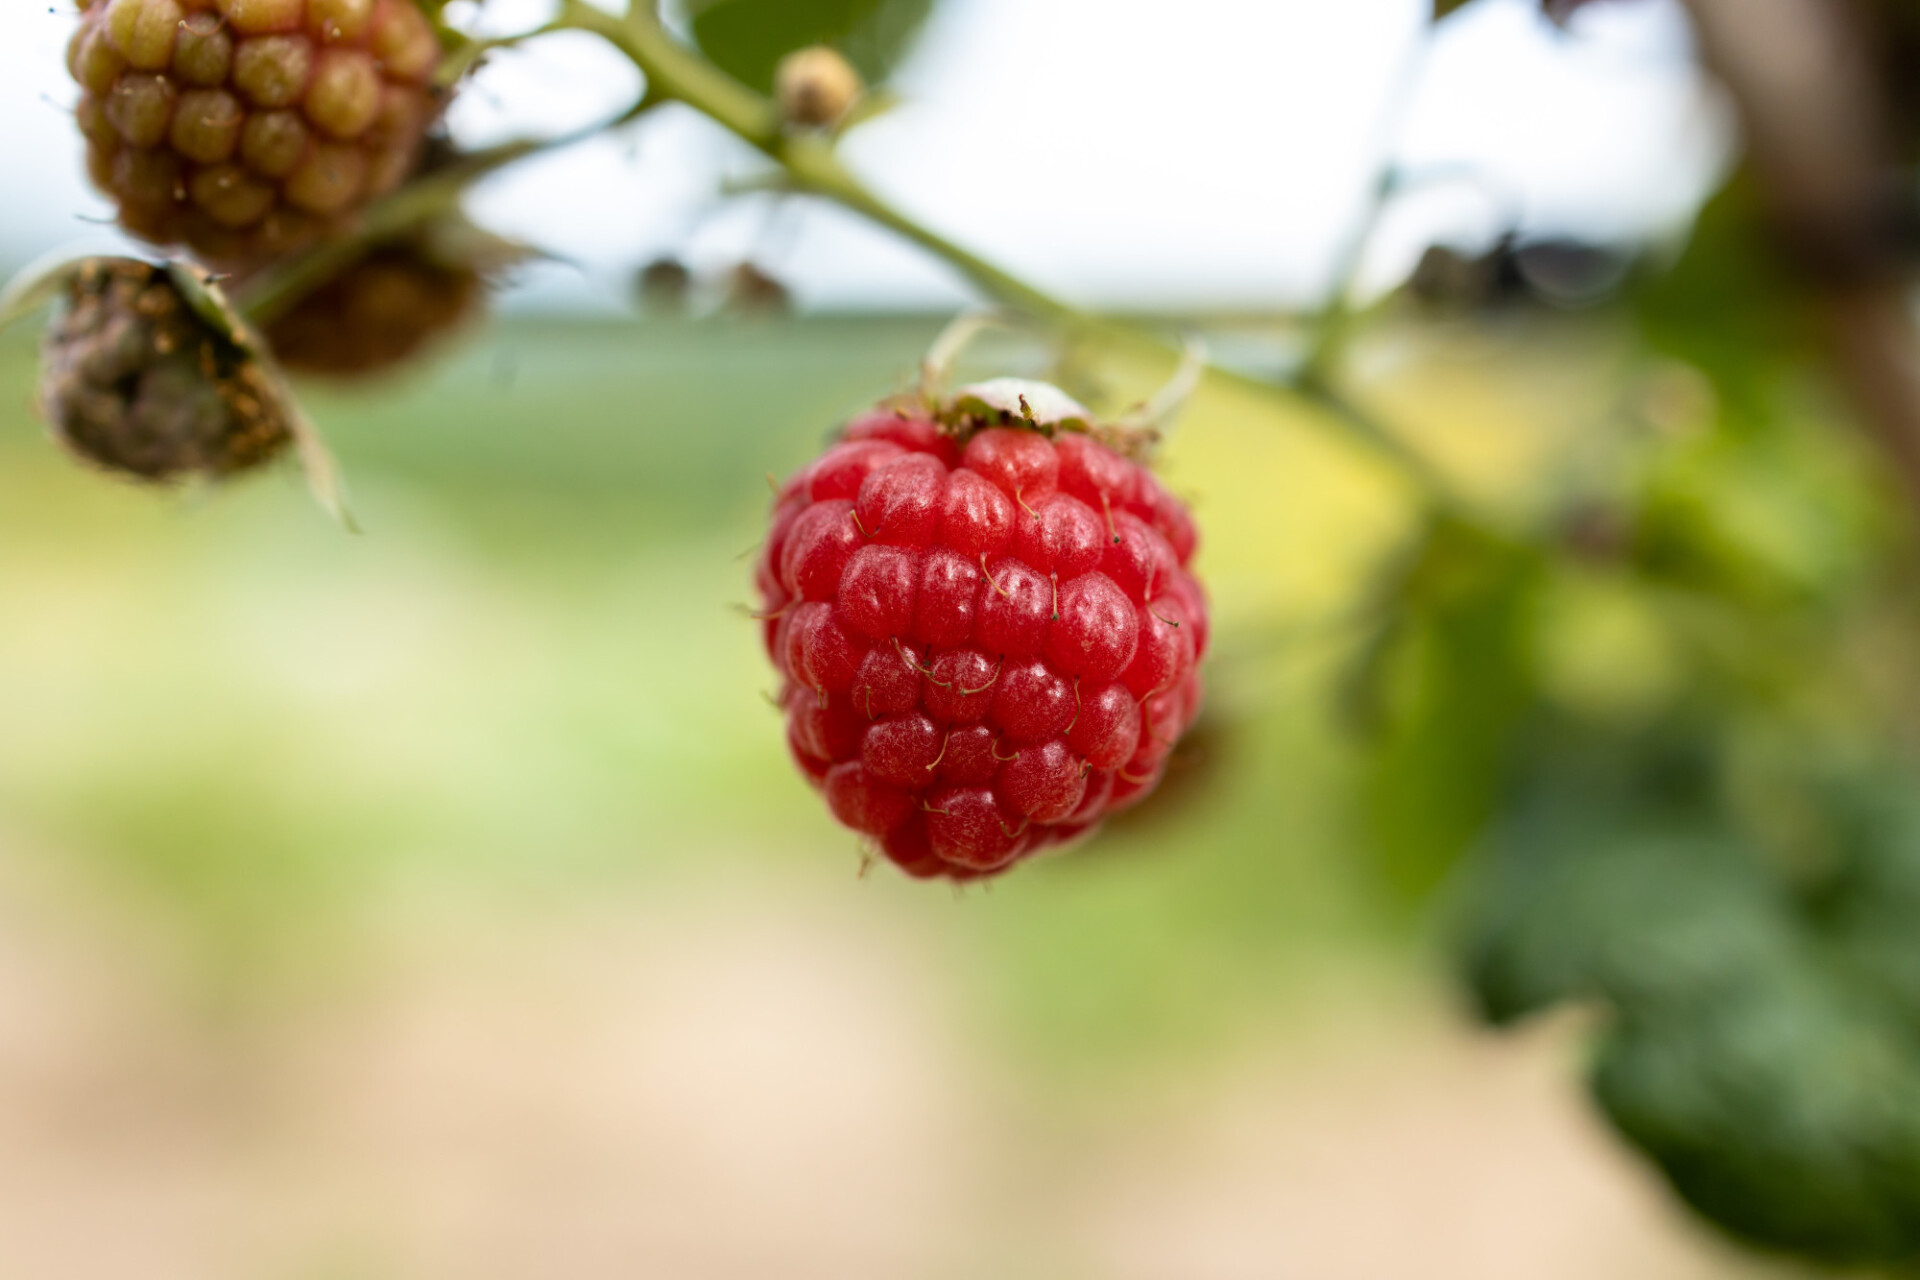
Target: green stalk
x,y
810,165
273,292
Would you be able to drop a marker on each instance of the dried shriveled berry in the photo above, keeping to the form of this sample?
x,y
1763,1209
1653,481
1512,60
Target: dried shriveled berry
x,y
753,292
136,382
377,314
988,632
245,129
664,286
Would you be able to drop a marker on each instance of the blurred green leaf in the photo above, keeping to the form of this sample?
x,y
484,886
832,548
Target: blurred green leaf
x,y
1764,1048
748,38
1763,520
1450,683
1785,1111
1441,8
1727,306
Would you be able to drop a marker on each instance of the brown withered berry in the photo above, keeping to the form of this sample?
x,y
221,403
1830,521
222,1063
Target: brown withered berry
x,y
382,311
134,380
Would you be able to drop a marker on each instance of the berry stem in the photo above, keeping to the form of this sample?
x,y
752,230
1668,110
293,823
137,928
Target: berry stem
x,y
273,292
678,73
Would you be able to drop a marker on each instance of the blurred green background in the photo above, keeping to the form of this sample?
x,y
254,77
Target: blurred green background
x,y
440,900
533,673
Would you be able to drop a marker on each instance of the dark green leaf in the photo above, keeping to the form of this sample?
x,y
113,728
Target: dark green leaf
x,y
1764,1044
1441,8
1451,683
748,38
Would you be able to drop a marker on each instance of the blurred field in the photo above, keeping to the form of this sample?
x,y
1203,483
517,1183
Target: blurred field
x,y
439,902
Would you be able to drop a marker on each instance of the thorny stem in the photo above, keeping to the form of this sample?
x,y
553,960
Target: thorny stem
x,y
675,72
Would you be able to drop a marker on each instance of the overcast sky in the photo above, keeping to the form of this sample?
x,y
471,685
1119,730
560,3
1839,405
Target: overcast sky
x,y
1122,152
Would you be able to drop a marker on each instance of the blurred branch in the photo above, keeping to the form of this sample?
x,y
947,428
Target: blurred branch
x,y
1811,103
810,165
1335,320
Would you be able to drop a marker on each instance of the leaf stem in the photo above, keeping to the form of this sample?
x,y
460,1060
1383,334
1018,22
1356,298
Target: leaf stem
x,y
810,164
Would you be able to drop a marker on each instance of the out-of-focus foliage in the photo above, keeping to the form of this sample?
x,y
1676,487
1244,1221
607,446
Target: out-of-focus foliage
x,y
1443,685
749,37
1658,737
1764,992
1726,307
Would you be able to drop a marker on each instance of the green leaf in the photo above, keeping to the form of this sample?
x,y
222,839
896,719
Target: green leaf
x,y
1728,307
37,284
747,38
1763,1046
1441,8
1451,685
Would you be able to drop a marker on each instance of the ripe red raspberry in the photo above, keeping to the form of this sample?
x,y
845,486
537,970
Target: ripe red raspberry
x,y
986,628
246,129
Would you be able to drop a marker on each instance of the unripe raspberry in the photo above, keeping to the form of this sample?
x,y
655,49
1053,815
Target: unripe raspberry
x,y
132,379
815,87
377,314
986,628
245,129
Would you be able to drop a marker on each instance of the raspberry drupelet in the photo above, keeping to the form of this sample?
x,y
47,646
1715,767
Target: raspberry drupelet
x,y
987,631
247,129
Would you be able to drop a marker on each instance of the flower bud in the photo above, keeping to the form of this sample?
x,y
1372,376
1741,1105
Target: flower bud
x,y
815,87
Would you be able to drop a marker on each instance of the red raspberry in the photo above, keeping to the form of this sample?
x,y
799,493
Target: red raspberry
x,y
245,129
987,631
